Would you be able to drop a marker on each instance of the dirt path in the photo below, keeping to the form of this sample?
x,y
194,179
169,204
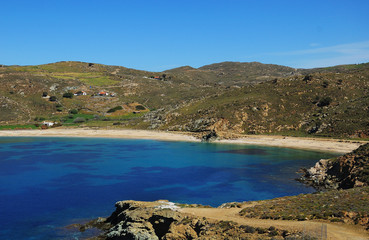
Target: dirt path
x,y
334,231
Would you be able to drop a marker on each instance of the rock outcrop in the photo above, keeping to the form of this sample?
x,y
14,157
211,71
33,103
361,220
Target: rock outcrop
x,y
348,171
162,220
209,137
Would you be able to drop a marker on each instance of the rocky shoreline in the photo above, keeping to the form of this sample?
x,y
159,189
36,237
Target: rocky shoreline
x,y
163,220
344,172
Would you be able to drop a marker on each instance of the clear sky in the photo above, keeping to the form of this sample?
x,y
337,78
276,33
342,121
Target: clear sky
x,y
157,35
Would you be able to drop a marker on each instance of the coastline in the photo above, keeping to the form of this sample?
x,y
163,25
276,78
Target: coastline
x,y
100,133
315,144
215,216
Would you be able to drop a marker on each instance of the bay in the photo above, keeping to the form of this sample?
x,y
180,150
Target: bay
x,y
48,183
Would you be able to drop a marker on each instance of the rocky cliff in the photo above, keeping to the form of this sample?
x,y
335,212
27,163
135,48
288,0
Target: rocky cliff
x,y
347,171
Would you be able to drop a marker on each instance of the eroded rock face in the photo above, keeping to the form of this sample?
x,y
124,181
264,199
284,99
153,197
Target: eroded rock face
x,y
135,220
348,171
209,137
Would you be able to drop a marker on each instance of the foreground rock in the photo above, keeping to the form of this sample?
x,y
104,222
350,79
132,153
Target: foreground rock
x,y
136,220
348,171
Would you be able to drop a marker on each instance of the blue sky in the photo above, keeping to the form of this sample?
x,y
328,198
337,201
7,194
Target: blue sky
x,y
157,35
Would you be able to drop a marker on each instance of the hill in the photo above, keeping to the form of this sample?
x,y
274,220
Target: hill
x,y
230,74
22,88
321,103
252,98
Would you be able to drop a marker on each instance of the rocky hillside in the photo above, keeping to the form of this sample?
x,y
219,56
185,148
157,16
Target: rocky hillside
x,y
347,171
232,74
22,89
321,103
246,98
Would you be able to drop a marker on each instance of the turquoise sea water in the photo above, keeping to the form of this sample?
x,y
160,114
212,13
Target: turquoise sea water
x,y
48,183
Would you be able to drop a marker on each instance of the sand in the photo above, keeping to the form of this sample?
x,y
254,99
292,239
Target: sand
x,y
317,144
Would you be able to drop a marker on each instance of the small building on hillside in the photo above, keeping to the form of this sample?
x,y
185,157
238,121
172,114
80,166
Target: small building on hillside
x,y
102,93
48,124
80,93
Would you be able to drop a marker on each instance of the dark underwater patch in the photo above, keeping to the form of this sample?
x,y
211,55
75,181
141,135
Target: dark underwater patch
x,y
247,151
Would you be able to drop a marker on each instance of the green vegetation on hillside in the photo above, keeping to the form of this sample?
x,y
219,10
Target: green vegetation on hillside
x,y
114,109
17,127
71,118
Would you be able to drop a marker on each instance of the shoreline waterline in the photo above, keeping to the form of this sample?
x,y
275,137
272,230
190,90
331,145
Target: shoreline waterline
x,y
314,144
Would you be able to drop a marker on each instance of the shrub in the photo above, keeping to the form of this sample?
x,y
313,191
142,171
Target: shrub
x,y
73,111
324,101
261,230
336,220
140,107
111,110
316,100
249,229
307,78
273,233
68,95
287,218
52,99
325,84
79,120
271,228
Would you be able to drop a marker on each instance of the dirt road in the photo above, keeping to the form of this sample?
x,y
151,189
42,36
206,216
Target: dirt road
x,y
335,231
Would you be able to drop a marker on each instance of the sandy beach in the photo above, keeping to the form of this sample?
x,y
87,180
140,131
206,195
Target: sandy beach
x,y
317,144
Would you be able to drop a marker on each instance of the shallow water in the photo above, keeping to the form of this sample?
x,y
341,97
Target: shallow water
x,y
48,183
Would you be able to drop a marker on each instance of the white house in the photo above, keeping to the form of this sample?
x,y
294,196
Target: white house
x,y
79,93
49,124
